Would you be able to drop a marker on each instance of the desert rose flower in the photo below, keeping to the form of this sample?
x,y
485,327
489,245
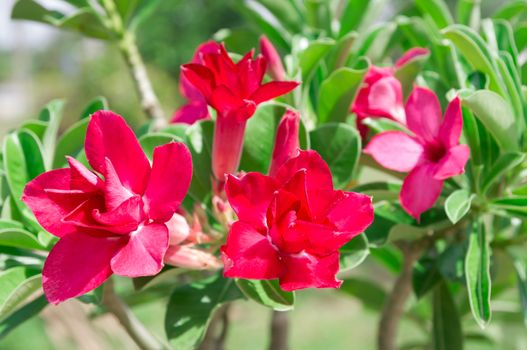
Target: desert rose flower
x,y
196,107
116,225
286,144
275,67
382,93
291,225
233,90
431,155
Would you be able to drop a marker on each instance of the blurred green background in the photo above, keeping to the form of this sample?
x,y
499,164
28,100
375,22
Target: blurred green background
x,y
39,63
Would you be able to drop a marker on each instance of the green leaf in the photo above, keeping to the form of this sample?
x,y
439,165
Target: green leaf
x,y
469,13
521,277
476,52
16,285
370,294
267,293
359,14
310,58
23,314
425,277
190,308
70,143
15,166
52,114
19,238
437,10
458,204
502,166
33,153
199,142
387,215
374,42
33,11
378,125
511,9
407,73
337,93
150,141
257,155
446,327
340,146
477,274
86,22
97,104
496,115
353,253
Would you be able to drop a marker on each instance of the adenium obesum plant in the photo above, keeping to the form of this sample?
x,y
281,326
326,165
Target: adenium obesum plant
x,y
233,90
291,224
431,155
275,68
117,225
382,93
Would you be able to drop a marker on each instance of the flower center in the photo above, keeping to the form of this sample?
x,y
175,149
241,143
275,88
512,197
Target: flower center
x,y
434,152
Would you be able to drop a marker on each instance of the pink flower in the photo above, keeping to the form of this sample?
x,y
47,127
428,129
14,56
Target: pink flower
x,y
196,108
382,94
233,90
275,68
182,239
116,225
286,144
291,226
431,155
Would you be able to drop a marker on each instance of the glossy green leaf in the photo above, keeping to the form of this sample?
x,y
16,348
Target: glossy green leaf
x,y
469,13
373,43
407,73
496,115
16,285
19,238
387,215
446,324
353,253
97,104
502,166
425,276
15,165
23,314
267,293
33,154
437,10
337,93
378,125
33,11
511,9
340,146
477,274
359,14
370,294
52,115
190,308
70,143
86,22
150,141
310,58
458,204
521,278
199,142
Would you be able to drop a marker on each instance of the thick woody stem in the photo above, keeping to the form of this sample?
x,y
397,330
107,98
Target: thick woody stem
x,y
394,306
137,331
128,46
279,331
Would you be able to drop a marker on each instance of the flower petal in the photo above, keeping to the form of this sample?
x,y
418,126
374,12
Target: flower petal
x,y
200,77
250,196
420,190
82,178
410,55
108,136
395,150
385,99
48,210
272,90
309,271
286,143
192,112
144,252
115,193
169,180
450,129
123,219
248,254
77,264
190,258
352,214
423,113
453,163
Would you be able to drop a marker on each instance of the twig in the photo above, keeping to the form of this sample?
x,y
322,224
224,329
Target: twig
x,y
137,331
279,331
128,47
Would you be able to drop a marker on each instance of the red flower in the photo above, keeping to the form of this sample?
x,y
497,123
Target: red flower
x,y
275,68
233,90
382,94
196,108
291,225
115,225
286,144
431,156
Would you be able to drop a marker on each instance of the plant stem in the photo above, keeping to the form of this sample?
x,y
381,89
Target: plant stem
x,y
128,47
137,331
217,330
394,306
279,331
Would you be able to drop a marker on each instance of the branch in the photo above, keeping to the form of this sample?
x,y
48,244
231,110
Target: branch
x,y
137,331
128,46
279,331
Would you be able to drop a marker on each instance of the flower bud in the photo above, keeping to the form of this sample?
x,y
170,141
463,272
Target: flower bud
x,y
275,68
286,143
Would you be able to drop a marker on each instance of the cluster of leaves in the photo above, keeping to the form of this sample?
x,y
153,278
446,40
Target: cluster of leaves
x,y
473,234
